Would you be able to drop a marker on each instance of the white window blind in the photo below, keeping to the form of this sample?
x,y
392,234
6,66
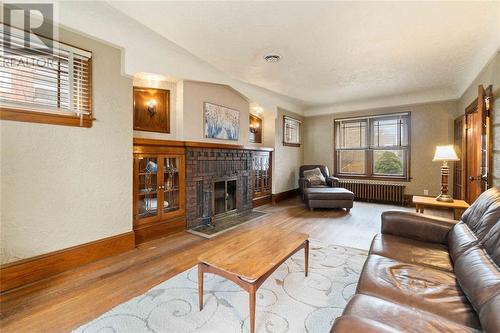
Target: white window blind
x,y
44,81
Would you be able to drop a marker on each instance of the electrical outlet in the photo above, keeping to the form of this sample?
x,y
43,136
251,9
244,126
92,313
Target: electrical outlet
x,y
426,192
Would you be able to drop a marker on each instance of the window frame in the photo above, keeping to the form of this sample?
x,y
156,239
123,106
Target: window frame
x,y
299,134
370,149
52,117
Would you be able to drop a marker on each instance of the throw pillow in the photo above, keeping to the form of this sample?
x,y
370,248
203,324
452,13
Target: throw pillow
x,y
315,177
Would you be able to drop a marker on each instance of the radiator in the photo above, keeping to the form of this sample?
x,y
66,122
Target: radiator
x,y
375,191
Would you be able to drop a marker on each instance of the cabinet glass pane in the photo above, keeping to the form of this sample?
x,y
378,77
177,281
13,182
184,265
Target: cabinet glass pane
x,y
148,184
265,173
170,185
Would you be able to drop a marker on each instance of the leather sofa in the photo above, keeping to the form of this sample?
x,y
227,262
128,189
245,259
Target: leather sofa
x,y
303,182
430,274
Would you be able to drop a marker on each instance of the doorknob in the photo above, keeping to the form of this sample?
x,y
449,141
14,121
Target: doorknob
x,y
483,178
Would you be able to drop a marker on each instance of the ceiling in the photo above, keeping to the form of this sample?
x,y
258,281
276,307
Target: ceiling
x,y
335,52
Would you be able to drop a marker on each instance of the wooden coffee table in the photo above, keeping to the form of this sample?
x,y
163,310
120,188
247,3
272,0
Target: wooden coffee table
x,y
458,206
249,259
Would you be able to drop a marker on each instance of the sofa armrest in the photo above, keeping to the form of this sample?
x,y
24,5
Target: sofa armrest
x,y
303,183
332,181
419,227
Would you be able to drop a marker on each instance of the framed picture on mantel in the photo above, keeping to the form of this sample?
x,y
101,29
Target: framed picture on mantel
x,y
151,110
221,122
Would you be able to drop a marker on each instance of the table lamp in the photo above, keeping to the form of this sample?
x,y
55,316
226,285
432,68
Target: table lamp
x,y
445,154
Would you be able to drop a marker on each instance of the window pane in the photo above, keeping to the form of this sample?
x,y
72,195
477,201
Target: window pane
x,y
291,131
351,161
388,162
352,135
385,132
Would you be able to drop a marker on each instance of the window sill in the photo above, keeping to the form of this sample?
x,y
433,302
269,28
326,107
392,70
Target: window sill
x,y
44,118
286,144
382,178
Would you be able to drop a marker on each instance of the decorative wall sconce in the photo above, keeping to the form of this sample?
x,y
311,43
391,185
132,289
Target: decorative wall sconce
x,y
254,127
151,107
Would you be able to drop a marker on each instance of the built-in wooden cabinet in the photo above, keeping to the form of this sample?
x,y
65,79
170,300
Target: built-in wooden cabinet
x,y
262,177
159,190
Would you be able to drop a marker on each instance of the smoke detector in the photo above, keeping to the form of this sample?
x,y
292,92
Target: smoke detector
x,y
272,58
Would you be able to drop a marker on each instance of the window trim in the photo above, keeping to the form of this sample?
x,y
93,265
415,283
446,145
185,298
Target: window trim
x,y
290,144
48,116
369,175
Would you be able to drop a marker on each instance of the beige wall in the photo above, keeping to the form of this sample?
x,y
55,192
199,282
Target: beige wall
x,y
287,160
63,186
431,125
195,94
489,75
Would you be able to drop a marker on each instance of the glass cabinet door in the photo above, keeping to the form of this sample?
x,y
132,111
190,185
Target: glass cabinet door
x,y
170,186
147,191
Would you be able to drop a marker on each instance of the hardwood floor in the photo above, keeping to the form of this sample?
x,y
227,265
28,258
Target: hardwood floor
x,y
66,301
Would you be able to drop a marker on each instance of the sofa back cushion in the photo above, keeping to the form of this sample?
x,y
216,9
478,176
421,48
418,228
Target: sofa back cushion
x,y
484,213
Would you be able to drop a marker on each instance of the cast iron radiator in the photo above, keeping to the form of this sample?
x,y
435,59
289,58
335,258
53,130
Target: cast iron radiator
x,y
375,191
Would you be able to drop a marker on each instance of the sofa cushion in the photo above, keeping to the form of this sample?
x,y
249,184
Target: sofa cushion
x,y
484,213
460,240
412,251
478,275
328,193
399,317
489,315
315,177
417,286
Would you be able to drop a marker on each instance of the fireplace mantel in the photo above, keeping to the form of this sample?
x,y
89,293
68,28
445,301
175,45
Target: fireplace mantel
x,y
197,144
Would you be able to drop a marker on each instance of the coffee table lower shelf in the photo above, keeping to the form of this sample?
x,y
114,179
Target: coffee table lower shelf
x,y
249,286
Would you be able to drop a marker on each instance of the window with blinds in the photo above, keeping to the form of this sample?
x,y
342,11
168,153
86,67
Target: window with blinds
x,y
291,131
375,147
52,84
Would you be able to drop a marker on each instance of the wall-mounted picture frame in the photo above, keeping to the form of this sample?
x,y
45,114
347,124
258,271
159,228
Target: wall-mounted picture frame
x,y
291,131
221,122
151,110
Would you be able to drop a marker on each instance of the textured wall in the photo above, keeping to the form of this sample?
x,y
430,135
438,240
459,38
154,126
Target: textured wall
x,y
431,125
287,160
63,186
195,94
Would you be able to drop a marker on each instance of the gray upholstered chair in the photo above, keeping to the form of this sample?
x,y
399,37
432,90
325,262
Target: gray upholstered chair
x,y
330,181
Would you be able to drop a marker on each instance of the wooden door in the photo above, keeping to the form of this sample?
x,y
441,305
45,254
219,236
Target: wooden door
x,y
459,166
478,145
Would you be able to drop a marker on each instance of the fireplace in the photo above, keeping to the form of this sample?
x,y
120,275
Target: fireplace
x,y
218,184
224,197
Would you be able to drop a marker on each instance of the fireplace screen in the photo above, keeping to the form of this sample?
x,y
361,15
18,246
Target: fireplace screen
x,y
224,196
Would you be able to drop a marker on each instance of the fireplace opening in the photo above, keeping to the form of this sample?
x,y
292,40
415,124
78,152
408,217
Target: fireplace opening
x,y
224,196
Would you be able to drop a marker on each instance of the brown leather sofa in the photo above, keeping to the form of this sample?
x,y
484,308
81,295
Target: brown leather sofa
x,y
430,274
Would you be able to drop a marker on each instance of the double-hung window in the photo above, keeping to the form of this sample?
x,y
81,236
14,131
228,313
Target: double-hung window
x,y
44,86
373,147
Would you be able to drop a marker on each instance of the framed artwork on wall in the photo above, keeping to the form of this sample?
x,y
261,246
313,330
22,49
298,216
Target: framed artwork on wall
x,y
291,131
151,110
221,122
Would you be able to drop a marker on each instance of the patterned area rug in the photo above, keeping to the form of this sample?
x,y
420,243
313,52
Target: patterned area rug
x,y
286,302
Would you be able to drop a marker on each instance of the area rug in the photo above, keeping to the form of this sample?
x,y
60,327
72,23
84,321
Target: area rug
x,y
286,302
226,224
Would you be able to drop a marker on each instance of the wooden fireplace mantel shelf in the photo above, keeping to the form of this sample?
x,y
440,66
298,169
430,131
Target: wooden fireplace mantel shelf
x,y
195,144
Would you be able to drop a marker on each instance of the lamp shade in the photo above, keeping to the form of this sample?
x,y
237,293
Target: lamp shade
x,y
445,153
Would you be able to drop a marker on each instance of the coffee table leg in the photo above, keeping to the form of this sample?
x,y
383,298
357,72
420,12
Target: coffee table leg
x,y
200,286
306,261
251,292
